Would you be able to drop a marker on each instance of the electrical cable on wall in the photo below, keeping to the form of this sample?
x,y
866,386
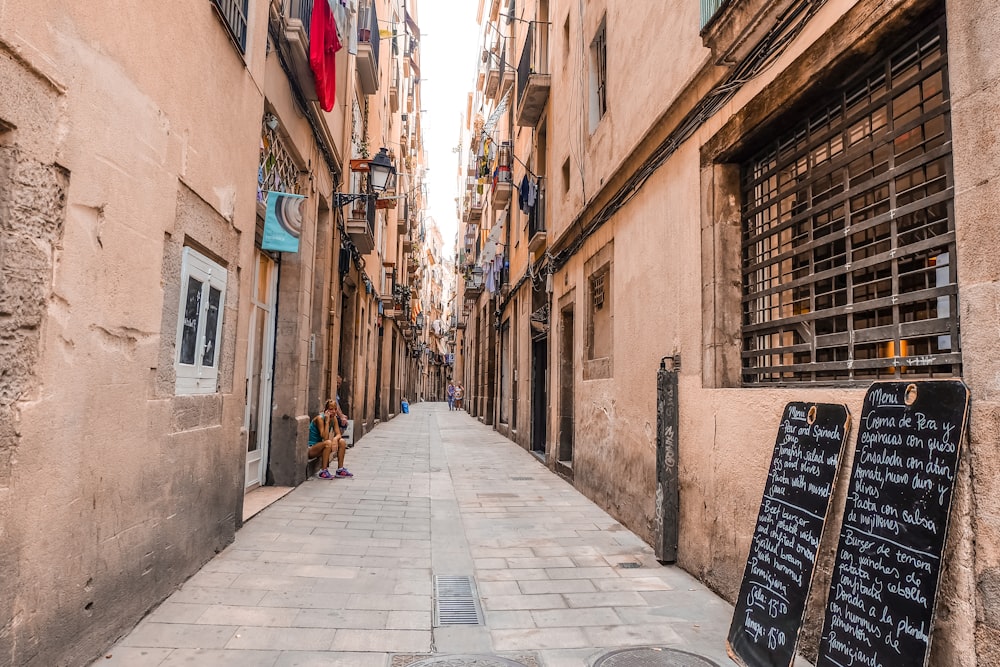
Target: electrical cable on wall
x,y
787,27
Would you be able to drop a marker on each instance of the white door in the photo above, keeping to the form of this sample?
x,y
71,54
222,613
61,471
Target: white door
x,y
260,362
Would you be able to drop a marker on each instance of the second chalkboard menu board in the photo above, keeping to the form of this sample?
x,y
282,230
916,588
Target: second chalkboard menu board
x,y
779,570
881,603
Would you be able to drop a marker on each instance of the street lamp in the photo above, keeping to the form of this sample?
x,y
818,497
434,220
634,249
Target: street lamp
x,y
381,177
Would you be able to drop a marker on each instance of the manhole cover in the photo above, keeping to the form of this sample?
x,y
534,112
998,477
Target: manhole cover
x,y
467,661
652,657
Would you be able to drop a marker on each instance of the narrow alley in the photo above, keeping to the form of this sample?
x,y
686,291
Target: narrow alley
x,y
343,571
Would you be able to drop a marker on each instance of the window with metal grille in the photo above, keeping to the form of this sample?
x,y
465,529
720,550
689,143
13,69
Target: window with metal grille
x,y
597,290
849,237
599,74
278,170
234,15
709,8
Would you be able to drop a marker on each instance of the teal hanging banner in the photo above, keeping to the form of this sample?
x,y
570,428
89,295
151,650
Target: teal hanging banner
x,y
282,222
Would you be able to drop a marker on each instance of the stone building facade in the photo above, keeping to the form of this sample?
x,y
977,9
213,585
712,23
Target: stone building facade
x,y
789,199
158,362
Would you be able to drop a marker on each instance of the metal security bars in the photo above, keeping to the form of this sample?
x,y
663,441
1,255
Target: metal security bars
x,y
526,65
600,54
709,8
849,236
301,10
234,15
277,170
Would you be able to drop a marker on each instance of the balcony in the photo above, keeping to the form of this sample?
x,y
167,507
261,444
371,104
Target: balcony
x,y
473,207
732,30
502,185
507,78
403,221
537,237
295,29
533,79
361,226
492,82
474,282
471,238
368,39
394,89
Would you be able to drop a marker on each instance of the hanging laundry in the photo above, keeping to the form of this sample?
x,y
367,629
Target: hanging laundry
x,y
532,194
352,27
323,47
340,17
522,195
491,281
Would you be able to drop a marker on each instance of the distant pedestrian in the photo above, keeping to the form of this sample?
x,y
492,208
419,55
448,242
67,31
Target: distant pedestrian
x,y
324,438
451,395
459,395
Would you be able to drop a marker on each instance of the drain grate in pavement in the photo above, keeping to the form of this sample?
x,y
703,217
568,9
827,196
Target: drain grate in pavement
x,y
469,661
455,601
629,565
652,656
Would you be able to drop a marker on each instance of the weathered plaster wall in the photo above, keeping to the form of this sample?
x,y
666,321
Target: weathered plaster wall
x,y
974,77
674,285
112,489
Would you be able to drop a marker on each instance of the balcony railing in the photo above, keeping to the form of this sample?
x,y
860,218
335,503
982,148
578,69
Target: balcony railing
x,y
474,206
295,24
394,88
368,40
502,185
536,221
302,11
709,8
533,79
361,225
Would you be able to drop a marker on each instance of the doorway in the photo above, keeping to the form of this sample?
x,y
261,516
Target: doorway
x,y
539,396
566,376
260,367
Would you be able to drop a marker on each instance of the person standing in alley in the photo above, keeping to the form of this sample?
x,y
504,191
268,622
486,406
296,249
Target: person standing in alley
x,y
324,437
451,395
459,395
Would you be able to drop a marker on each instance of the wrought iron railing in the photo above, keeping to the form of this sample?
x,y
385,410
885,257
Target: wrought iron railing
x,y
277,170
536,215
234,13
534,55
301,10
368,27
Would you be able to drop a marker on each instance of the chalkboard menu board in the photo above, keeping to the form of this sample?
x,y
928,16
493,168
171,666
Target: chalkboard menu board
x,y
881,604
779,569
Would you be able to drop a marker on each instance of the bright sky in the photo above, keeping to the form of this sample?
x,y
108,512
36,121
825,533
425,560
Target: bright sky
x,y
448,45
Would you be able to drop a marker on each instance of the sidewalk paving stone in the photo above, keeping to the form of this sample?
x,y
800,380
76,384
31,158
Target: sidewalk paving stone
x,y
341,572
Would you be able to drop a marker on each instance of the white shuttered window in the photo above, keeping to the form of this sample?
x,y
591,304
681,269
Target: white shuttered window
x,y
199,325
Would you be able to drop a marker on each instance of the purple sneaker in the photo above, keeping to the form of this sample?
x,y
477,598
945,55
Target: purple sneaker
x,y
343,472
324,474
